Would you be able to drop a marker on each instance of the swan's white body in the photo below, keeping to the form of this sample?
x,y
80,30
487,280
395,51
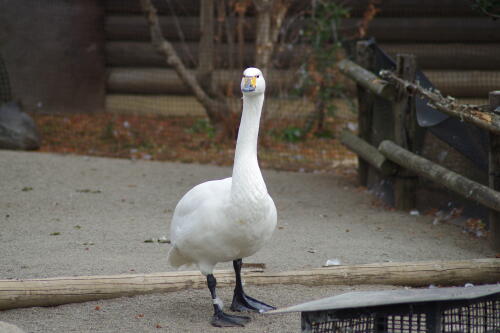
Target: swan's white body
x,y
231,218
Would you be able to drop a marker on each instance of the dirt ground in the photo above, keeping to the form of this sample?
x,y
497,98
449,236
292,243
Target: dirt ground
x,y
66,215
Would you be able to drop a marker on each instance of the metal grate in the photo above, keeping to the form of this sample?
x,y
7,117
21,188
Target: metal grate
x,y
413,323
431,310
479,316
363,324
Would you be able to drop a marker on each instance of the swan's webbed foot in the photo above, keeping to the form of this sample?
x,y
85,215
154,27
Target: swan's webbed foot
x,y
222,319
241,301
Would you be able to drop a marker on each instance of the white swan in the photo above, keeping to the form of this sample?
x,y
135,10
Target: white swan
x,y
228,219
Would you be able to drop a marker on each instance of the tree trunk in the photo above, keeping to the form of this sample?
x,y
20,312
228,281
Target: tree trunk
x,y
218,111
206,47
270,17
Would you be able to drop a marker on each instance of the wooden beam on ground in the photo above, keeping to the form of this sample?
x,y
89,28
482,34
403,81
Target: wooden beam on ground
x,y
368,153
367,79
451,180
63,290
494,172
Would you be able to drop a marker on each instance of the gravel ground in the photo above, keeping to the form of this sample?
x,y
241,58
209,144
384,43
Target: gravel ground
x,y
76,215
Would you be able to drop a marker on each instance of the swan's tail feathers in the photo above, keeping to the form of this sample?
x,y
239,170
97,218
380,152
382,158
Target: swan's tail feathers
x,y
176,259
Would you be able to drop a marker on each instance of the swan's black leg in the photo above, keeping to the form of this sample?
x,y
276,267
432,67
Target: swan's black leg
x,y
220,318
241,301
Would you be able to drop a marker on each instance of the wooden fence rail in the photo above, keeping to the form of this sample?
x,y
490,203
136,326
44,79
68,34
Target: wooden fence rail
x,y
400,89
488,121
367,79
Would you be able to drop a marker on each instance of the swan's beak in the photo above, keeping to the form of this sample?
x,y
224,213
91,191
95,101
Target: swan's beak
x,y
249,83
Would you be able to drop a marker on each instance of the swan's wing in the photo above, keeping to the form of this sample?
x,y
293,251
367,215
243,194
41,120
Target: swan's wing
x,y
190,209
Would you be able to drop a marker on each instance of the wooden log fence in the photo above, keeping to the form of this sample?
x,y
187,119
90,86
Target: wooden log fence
x,y
451,180
367,79
368,153
494,170
487,120
64,290
365,58
399,148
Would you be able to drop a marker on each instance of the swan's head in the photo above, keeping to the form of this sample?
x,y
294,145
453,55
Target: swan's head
x,y
253,82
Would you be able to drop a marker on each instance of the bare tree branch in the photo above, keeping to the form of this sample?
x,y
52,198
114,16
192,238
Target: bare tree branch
x,y
217,111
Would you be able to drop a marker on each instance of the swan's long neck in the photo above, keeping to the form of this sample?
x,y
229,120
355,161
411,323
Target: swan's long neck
x,y
247,179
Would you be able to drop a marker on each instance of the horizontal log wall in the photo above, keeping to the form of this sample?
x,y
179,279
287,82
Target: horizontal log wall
x,y
409,8
385,29
159,80
450,56
439,33
179,105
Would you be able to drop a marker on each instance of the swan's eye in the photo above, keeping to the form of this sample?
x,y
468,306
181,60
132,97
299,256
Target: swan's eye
x,y
257,76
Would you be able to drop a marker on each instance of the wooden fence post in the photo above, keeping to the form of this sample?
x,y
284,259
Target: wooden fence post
x,y
364,58
494,173
404,132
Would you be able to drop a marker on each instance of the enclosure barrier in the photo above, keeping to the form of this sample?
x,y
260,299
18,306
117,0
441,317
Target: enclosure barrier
x,y
399,148
434,310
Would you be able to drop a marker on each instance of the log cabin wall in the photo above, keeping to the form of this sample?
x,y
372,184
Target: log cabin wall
x,y
456,47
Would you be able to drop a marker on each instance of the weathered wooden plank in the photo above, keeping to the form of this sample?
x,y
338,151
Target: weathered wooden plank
x,y
451,180
368,153
63,290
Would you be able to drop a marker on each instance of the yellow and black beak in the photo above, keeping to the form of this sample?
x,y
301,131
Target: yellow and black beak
x,y
249,83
